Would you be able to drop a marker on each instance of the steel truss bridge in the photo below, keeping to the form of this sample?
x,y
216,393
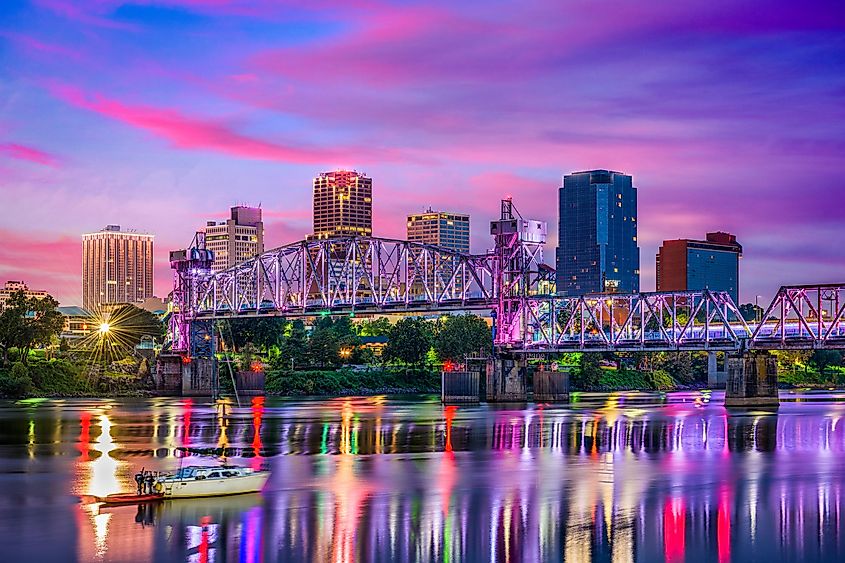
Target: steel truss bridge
x,y
370,275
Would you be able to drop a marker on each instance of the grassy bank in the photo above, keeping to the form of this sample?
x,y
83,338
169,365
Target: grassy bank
x,y
348,382
634,380
41,377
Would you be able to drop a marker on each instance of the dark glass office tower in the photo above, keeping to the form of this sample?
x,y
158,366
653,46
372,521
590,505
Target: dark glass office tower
x,y
597,234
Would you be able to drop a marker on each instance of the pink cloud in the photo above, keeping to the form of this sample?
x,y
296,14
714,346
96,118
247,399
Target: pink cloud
x,y
30,154
52,264
195,133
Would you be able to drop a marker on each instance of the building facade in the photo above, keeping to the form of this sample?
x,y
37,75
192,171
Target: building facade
x,y
343,205
441,228
237,239
117,267
712,263
597,234
12,286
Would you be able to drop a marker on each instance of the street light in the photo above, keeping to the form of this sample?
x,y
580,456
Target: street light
x,y
104,328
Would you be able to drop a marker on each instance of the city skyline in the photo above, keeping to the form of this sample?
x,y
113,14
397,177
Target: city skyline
x,y
719,135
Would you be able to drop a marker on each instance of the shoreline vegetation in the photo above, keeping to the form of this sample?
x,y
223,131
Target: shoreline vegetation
x,y
64,378
339,355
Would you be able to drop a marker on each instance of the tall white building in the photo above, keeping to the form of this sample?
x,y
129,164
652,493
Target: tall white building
x,y
117,267
237,239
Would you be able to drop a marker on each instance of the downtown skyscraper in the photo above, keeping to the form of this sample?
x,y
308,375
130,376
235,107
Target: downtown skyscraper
x,y
237,239
712,263
343,204
597,234
117,267
440,228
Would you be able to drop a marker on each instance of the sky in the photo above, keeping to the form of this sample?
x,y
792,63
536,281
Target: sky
x,y
159,115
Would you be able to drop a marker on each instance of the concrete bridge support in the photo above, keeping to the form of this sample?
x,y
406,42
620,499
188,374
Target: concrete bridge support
x,y
459,387
506,380
198,378
752,380
551,386
716,378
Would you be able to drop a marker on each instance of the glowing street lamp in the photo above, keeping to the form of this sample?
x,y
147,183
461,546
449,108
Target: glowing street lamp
x,y
104,328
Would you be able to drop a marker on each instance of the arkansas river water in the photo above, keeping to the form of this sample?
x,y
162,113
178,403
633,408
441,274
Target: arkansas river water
x,y
610,477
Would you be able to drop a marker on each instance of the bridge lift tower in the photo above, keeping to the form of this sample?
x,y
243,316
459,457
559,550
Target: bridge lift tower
x,y
518,268
190,365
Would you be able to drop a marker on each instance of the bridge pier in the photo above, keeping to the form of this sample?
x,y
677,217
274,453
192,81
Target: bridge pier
x,y
198,378
752,380
716,378
551,386
459,387
506,380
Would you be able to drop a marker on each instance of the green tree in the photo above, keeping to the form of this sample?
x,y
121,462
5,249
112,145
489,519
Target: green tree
x,y
462,335
588,374
293,348
262,332
408,342
791,360
374,327
16,383
28,322
823,359
324,346
678,365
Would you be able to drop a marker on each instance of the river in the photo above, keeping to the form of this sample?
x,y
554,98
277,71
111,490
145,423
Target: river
x,y
619,477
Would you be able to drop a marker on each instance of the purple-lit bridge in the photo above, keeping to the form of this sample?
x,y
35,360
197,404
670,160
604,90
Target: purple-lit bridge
x,y
368,276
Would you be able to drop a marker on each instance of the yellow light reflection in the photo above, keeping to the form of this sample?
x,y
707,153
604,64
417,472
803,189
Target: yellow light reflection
x,y
101,532
104,468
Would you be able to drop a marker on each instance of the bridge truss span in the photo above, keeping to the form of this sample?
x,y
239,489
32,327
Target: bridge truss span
x,y
351,273
695,320
380,275
803,316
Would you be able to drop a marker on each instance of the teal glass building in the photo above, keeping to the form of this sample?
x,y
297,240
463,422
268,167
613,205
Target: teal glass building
x,y
597,234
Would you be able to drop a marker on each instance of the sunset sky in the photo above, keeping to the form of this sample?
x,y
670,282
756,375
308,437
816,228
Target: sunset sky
x,y
160,114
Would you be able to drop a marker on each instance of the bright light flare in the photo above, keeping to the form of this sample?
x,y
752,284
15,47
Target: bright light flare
x,y
104,328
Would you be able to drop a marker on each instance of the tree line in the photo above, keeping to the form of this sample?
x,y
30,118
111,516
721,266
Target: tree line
x,y
335,341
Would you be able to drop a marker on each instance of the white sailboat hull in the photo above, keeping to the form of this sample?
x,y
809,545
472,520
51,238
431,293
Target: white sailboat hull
x,y
191,488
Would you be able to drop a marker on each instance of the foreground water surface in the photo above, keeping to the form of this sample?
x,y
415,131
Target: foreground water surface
x,y
621,477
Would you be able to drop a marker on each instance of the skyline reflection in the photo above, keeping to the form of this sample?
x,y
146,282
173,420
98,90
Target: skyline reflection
x,y
611,478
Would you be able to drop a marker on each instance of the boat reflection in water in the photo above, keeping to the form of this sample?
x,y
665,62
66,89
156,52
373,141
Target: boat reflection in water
x,y
611,478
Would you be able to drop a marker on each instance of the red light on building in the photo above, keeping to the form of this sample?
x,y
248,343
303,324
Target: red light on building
x,y
186,359
448,366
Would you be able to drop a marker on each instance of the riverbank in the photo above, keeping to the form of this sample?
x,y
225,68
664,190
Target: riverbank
x,y
376,381
64,378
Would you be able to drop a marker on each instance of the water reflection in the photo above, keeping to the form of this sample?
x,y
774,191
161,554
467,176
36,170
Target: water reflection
x,y
612,478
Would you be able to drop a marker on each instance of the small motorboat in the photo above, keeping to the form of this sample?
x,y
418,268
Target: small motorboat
x,y
210,481
130,498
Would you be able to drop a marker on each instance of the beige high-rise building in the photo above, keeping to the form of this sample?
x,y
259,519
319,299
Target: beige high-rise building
x,y
343,205
237,239
14,286
441,228
117,267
